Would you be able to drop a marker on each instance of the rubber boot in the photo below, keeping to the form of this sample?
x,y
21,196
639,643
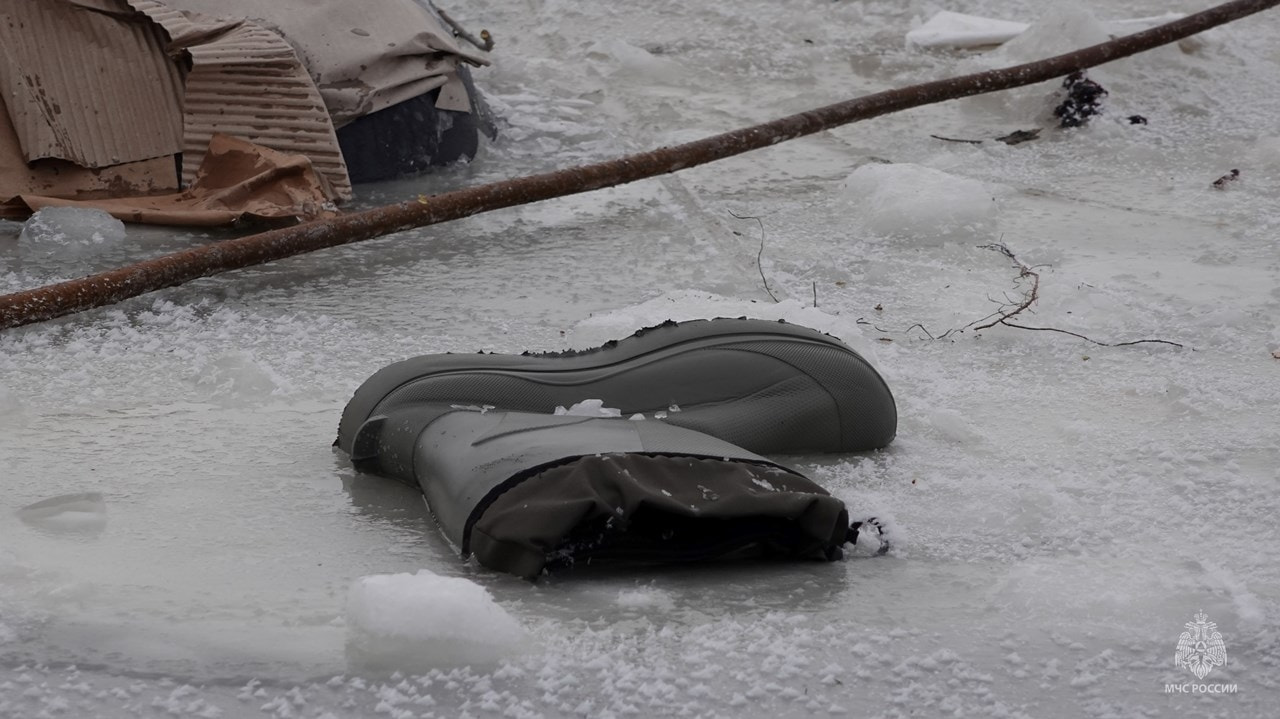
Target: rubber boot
x,y
527,492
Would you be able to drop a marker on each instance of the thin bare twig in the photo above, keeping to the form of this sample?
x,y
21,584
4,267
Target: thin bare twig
x,y
484,42
1013,308
760,254
956,139
1089,339
1028,298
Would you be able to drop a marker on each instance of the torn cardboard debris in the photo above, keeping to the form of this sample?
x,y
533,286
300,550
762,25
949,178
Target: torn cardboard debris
x,y
238,180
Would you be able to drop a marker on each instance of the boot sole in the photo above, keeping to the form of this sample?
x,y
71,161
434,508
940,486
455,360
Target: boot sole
x,y
768,387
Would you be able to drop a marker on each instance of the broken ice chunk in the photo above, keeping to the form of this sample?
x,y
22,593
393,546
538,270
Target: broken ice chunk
x,y
82,514
74,229
416,622
920,205
953,29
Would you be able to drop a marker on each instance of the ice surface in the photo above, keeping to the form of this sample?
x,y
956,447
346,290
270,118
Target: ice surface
x,y
1061,508
420,621
12,412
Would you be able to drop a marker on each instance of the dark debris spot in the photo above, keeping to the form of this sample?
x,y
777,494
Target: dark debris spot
x,y
1084,100
1018,136
1221,182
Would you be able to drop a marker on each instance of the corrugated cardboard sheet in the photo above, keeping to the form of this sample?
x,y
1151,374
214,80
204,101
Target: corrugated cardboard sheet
x,y
67,179
246,80
98,96
88,81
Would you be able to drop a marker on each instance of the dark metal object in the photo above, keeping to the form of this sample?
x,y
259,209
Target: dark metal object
x,y
413,136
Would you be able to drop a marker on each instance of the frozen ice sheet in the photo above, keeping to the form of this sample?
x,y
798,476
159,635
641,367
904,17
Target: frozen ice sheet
x,y
1061,509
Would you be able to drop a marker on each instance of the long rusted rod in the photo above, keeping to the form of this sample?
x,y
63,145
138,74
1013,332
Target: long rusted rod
x,y
105,288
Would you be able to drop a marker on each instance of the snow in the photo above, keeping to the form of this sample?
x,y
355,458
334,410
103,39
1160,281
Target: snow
x,y
643,598
1059,509
683,305
420,621
589,408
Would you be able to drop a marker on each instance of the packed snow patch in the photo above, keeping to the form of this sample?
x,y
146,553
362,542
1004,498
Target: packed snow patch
x,y
921,204
416,622
238,378
953,426
589,408
645,598
82,514
685,305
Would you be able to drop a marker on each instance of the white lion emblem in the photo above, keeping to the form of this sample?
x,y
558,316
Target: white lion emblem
x,y
1200,648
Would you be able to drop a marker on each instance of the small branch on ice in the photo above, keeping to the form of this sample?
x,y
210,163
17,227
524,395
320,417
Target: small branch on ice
x,y
760,255
1028,298
922,328
1012,306
1020,136
1013,138
1222,182
1090,339
484,42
